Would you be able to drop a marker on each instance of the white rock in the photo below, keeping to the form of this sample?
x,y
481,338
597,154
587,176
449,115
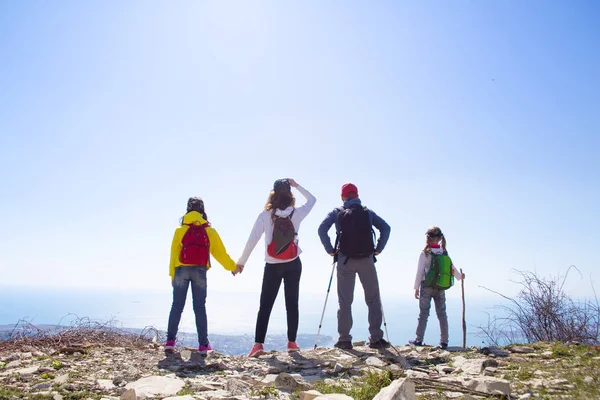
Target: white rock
x,y
309,395
525,396
26,356
61,379
333,396
588,379
416,374
154,386
521,349
489,385
129,394
468,366
400,389
375,362
186,397
287,381
105,384
269,379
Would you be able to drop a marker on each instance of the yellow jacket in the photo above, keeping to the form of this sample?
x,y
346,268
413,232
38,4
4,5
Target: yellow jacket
x,y
217,249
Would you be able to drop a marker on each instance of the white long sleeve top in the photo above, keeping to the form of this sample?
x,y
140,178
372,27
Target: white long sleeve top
x,y
264,224
424,264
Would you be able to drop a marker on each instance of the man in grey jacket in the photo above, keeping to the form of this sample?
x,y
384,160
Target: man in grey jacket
x,y
357,242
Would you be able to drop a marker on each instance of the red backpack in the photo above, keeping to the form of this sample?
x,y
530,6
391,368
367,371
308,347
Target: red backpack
x,y
195,246
283,245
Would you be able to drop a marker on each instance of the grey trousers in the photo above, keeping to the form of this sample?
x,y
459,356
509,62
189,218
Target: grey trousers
x,y
346,278
439,298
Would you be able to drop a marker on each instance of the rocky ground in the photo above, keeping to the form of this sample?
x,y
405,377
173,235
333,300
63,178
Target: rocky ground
x,y
145,370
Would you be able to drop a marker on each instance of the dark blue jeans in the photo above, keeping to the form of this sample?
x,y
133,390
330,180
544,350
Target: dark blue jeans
x,y
184,276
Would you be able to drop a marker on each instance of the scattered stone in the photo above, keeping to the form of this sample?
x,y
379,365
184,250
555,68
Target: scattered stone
x,y
469,366
375,362
359,343
400,389
525,396
489,385
12,357
26,356
490,362
290,382
588,379
105,384
495,351
57,397
186,397
42,386
490,371
333,396
129,394
521,349
339,368
154,386
237,387
309,395
13,364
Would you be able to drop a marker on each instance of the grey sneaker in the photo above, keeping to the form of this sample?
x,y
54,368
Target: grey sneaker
x,y
343,344
379,344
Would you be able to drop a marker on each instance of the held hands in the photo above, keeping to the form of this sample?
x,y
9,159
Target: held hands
x,y
238,269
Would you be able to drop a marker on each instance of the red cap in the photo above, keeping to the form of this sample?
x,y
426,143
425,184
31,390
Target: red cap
x,y
349,190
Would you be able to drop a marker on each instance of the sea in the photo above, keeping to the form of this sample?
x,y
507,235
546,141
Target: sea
x,y
231,314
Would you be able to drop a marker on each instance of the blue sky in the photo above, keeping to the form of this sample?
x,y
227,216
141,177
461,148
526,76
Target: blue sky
x,y
480,117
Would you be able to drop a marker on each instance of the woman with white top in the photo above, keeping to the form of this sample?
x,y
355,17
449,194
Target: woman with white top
x,y
280,222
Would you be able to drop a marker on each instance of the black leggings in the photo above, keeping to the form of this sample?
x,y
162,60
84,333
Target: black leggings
x,y
290,273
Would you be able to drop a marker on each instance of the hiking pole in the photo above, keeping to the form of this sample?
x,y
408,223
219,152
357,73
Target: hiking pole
x,y
464,322
385,326
326,297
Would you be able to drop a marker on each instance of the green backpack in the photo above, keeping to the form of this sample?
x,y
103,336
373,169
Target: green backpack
x,y
440,275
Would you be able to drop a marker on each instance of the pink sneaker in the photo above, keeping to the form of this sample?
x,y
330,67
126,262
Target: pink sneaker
x,y
292,347
203,350
257,350
170,345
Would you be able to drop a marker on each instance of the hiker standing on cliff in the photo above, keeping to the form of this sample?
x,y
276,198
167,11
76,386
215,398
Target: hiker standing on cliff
x,y
192,243
435,274
355,253
280,222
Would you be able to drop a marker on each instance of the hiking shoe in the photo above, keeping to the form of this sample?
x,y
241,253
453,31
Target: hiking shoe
x,y
379,344
170,345
257,350
343,344
444,346
203,350
415,343
292,347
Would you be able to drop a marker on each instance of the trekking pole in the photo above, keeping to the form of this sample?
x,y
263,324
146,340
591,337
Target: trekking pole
x,y
325,305
385,326
464,322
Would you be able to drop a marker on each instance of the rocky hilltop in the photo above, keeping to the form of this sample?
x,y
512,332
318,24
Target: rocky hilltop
x,y
142,369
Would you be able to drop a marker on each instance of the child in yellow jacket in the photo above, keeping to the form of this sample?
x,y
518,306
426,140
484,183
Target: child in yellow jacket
x,y
193,243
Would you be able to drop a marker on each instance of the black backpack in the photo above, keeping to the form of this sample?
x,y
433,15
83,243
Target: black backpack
x,y
355,238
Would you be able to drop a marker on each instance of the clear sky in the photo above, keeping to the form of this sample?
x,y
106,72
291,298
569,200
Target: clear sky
x,y
480,117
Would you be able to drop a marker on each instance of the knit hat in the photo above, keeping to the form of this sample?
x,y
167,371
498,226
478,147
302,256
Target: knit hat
x,y
349,190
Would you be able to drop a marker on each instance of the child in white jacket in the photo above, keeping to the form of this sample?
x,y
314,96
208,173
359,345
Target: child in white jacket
x,y
436,244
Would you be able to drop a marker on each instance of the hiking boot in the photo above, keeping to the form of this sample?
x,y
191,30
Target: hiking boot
x,y
292,347
415,343
379,344
257,350
204,349
343,344
170,345
444,346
